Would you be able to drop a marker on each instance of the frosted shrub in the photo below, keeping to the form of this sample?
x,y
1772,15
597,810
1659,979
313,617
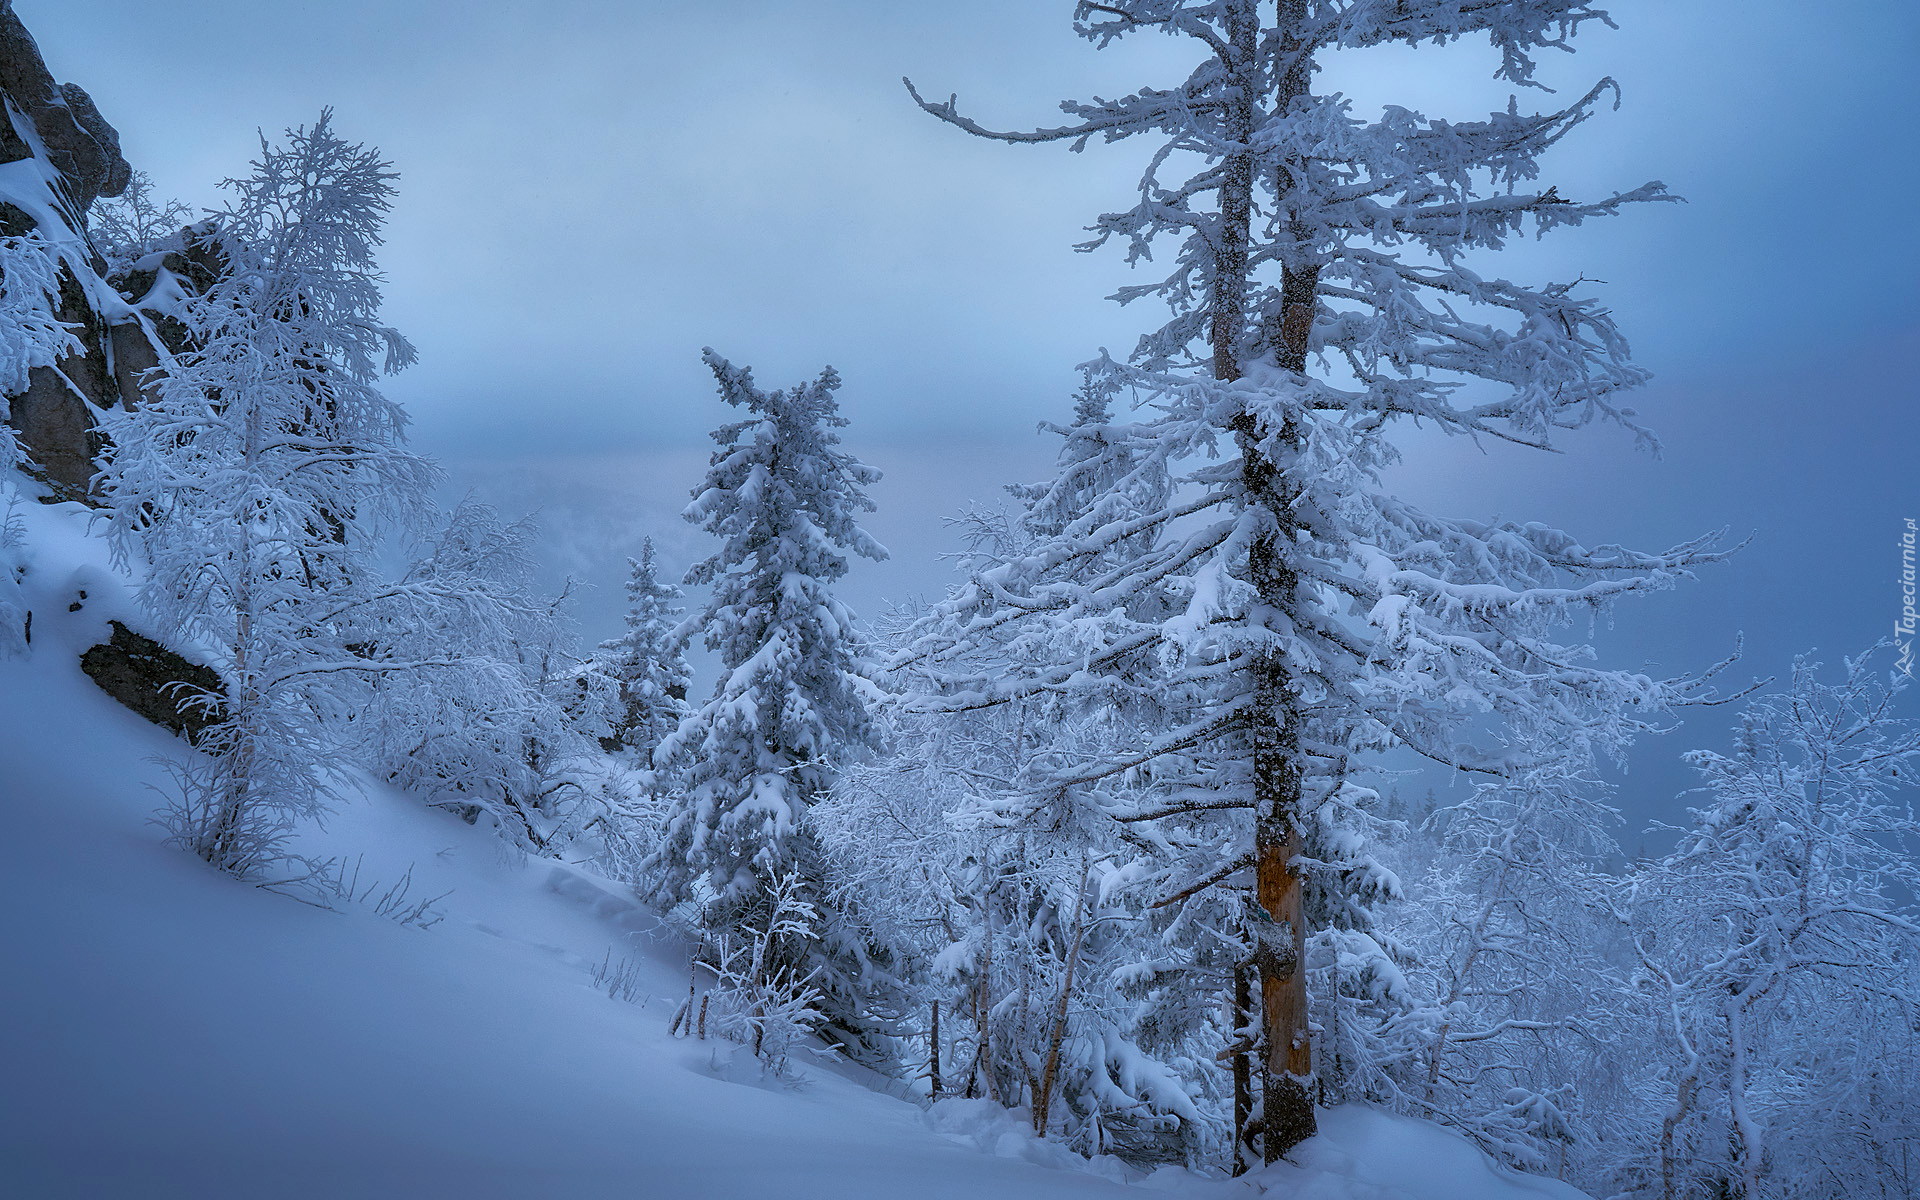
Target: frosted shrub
x,y
760,998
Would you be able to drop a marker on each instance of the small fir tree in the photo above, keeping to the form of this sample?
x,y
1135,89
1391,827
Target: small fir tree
x,y
794,700
647,661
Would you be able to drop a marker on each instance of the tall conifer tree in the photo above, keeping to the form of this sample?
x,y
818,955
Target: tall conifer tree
x,y
1320,296
793,699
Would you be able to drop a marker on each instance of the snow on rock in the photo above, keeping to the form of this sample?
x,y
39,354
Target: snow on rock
x,y
170,1032
78,140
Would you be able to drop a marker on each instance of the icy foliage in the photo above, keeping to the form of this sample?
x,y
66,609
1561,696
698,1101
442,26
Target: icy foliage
x,y
1780,950
30,334
505,726
764,999
1515,991
793,699
246,493
14,613
646,660
138,222
1289,614
1011,913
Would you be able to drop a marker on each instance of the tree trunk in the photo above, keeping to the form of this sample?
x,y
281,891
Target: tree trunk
x,y
933,1055
984,997
1669,1161
1241,1029
1044,1101
1746,1131
1274,723
1228,302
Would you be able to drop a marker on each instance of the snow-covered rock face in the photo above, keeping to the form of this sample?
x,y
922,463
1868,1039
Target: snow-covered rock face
x,y
77,140
72,346
57,156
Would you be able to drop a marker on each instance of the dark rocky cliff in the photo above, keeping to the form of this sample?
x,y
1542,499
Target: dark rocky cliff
x,y
57,156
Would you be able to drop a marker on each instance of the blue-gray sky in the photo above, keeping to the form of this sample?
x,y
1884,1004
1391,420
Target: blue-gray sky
x,y
592,191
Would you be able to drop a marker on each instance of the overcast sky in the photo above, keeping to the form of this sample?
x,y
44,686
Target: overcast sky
x,y
592,191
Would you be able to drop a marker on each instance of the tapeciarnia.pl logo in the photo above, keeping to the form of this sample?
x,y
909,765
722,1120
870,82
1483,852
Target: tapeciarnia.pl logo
x,y
1904,627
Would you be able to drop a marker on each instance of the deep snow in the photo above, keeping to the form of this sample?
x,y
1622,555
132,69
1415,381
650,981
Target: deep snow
x,y
169,1032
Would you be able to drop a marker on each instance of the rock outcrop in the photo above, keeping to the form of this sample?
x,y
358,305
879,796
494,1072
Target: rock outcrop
x,y
78,141
153,681
57,156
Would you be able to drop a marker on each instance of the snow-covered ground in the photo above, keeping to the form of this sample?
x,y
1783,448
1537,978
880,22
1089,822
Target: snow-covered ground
x,y
166,1031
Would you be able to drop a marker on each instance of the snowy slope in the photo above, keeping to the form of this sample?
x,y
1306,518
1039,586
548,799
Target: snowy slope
x,y
168,1032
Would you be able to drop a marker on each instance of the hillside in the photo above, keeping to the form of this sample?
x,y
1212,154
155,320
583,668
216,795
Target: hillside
x,y
170,1032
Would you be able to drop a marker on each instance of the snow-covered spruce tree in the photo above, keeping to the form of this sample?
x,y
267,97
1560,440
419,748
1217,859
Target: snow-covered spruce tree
x,y
794,699
647,661
1320,294
247,490
648,669
1778,943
